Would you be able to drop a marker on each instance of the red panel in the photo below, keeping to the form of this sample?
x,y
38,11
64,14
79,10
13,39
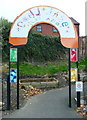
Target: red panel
x,y
73,54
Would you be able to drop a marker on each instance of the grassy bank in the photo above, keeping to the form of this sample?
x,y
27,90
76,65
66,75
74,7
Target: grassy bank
x,y
47,68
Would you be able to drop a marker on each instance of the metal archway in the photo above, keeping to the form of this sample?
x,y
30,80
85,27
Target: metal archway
x,y
43,14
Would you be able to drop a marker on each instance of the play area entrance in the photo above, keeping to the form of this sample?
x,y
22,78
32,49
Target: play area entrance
x,y
19,36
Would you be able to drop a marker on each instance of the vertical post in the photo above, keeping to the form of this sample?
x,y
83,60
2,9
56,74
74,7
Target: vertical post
x,y
78,94
2,94
69,80
8,86
17,78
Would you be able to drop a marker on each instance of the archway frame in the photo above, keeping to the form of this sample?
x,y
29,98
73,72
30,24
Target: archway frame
x,y
19,36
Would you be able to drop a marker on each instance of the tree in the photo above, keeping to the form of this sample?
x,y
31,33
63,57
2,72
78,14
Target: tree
x,y
4,36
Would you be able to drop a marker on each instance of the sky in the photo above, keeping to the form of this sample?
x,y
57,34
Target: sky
x,y
10,9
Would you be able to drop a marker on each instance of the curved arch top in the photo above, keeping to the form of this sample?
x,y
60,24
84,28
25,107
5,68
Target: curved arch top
x,y
40,14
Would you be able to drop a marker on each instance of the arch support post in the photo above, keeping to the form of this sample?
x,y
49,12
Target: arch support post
x,y
17,78
13,75
78,93
8,86
69,79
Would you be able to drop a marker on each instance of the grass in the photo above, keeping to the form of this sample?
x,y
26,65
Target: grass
x,y
83,64
48,68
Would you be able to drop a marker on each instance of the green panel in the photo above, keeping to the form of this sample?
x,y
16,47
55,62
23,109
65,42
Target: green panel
x,y
13,54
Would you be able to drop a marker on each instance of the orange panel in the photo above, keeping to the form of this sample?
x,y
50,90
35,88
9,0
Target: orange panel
x,y
70,42
18,41
67,42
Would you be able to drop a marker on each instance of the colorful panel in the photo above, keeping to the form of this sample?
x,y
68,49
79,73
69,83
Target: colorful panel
x,y
13,75
73,74
13,54
73,54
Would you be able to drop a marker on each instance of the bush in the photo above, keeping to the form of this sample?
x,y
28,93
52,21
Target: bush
x,y
41,48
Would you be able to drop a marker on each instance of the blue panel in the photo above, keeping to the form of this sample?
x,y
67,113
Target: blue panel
x,y
13,75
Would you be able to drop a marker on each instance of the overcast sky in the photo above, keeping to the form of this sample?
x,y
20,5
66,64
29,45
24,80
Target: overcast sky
x,y
10,9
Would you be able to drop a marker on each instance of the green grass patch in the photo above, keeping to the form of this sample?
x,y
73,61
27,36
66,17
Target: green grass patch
x,y
48,68
83,63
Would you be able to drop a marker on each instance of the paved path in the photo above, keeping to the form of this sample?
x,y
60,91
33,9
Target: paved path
x,y
52,104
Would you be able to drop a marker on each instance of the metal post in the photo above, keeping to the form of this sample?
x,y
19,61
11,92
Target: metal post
x,y
69,80
17,78
78,94
8,86
2,94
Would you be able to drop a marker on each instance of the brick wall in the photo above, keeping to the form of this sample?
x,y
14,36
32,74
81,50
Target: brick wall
x,y
47,29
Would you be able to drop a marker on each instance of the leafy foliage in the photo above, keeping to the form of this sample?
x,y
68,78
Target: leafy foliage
x,y
42,48
4,37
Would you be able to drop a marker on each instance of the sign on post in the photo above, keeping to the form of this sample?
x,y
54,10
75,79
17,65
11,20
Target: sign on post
x,y
13,54
79,86
74,75
46,14
13,75
73,54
